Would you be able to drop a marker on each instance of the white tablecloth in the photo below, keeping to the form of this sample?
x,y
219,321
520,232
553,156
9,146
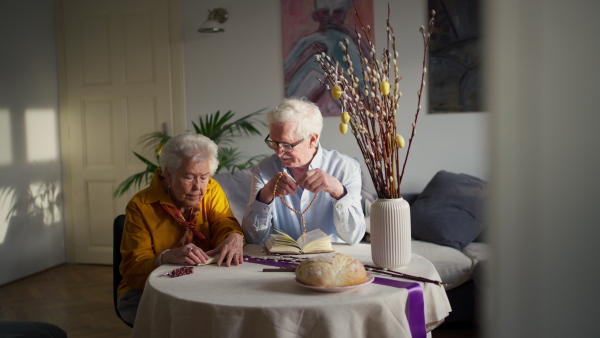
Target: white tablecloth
x,y
244,301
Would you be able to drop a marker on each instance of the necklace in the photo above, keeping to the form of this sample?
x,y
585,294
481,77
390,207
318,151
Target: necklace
x,y
294,210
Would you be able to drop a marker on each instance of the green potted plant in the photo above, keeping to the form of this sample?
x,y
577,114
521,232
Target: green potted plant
x,y
219,128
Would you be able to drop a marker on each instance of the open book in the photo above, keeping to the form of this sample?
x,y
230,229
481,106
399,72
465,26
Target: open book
x,y
316,241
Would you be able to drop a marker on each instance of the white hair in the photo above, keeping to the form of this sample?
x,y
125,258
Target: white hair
x,y
305,114
194,146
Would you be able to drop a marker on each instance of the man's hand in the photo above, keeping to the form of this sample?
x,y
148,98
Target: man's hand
x,y
279,185
316,180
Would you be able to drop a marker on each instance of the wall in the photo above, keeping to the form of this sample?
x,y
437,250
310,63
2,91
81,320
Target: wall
x,y
242,70
32,232
544,208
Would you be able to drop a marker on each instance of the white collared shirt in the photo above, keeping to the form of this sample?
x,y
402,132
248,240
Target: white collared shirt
x,y
342,219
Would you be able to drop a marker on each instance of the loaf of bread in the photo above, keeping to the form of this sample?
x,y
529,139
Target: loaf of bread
x,y
334,269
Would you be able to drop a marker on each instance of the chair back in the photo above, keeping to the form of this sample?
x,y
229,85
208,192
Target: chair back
x,y
118,226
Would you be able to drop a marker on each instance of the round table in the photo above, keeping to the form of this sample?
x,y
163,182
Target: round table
x,y
243,300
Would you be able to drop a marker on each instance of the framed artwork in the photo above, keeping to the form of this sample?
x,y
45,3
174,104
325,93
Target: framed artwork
x,y
455,70
307,23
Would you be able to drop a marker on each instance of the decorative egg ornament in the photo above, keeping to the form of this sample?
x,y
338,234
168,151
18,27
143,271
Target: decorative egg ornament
x,y
345,117
336,92
384,87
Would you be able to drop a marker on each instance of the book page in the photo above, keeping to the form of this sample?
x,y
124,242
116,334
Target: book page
x,y
282,244
315,241
322,244
285,238
310,236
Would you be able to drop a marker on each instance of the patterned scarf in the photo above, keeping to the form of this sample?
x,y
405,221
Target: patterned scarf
x,y
190,226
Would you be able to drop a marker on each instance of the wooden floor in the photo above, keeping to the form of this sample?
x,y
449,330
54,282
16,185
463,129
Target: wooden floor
x,y
78,299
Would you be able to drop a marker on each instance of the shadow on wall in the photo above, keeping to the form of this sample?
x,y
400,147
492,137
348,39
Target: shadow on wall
x,y
31,201
40,200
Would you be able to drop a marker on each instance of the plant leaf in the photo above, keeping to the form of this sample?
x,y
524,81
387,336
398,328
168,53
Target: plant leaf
x,y
221,128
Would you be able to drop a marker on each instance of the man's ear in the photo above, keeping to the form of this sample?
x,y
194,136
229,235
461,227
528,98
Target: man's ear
x,y
314,140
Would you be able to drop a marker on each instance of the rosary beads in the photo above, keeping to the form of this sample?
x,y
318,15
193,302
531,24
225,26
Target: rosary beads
x,y
182,271
292,209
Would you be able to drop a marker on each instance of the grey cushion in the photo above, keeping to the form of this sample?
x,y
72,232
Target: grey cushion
x,y
450,210
237,189
454,267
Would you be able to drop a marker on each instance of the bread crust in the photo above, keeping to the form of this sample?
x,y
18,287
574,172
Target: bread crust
x,y
332,270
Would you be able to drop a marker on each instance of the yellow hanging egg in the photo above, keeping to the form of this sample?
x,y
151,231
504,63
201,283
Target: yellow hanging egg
x,y
345,117
400,141
336,92
343,128
384,87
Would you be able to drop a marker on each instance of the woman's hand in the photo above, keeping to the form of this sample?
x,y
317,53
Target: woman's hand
x,y
187,254
231,250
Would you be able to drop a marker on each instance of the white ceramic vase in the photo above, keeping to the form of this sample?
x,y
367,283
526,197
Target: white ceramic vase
x,y
390,233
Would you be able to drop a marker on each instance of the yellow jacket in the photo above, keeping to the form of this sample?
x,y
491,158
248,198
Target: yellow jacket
x,y
149,229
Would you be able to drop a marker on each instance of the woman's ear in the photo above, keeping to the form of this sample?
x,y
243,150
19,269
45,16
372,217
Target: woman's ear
x,y
167,176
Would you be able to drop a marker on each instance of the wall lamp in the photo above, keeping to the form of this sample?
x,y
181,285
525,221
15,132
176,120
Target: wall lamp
x,y
214,22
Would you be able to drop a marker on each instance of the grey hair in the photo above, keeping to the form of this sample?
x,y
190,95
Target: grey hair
x,y
197,147
305,114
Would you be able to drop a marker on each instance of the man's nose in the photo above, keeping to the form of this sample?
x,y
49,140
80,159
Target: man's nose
x,y
279,151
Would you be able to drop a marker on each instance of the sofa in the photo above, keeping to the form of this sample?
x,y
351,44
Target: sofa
x,y
447,228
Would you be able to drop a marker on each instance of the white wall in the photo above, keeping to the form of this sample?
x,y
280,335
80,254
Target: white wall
x,y
545,163
31,225
242,70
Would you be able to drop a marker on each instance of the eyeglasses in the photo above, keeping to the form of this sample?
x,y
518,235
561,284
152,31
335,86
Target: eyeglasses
x,y
286,147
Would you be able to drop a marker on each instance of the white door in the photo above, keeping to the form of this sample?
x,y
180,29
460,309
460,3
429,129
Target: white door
x,y
120,76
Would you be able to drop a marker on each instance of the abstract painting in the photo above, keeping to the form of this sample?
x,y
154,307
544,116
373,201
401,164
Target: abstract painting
x,y
455,70
307,23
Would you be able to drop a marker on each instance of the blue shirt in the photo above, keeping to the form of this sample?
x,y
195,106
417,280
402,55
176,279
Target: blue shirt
x,y
342,219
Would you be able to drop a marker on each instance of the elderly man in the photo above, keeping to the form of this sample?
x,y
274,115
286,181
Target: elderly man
x,y
303,182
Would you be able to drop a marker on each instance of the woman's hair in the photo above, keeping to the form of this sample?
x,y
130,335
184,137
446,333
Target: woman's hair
x,y
305,114
197,147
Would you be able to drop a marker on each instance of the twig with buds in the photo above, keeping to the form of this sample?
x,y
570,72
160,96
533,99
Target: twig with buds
x,y
370,107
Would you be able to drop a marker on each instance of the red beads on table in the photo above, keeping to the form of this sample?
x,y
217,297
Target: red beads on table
x,y
182,271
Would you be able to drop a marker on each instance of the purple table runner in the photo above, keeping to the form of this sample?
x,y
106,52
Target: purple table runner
x,y
416,303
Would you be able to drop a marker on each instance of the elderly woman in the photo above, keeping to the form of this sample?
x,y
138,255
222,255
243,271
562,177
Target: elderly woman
x,y
183,217
302,181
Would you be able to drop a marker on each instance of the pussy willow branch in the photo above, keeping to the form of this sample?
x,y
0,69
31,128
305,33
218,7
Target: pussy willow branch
x,y
366,144
370,71
386,160
338,78
334,78
397,94
373,118
426,40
